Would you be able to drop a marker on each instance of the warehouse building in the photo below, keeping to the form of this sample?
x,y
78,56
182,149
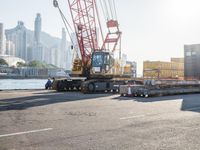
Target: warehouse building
x,y
164,70
192,61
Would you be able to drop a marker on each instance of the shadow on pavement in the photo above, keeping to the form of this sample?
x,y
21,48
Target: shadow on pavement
x,y
46,98
190,102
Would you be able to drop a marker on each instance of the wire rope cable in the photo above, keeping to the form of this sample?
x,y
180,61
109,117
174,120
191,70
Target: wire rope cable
x,y
104,14
111,11
66,23
106,9
114,5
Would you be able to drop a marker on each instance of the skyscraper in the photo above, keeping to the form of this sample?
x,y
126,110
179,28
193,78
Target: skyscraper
x,y
18,36
38,50
37,31
63,50
1,38
10,48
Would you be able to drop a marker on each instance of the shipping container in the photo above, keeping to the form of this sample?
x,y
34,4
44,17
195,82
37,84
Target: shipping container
x,y
161,69
156,65
177,66
178,60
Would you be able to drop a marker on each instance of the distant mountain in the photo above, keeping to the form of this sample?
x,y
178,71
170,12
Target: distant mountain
x,y
46,39
50,41
51,50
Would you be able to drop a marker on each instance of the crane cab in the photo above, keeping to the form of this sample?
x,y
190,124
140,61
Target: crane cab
x,y
101,63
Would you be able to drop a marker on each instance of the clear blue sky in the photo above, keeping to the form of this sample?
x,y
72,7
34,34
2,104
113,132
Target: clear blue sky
x,y
152,29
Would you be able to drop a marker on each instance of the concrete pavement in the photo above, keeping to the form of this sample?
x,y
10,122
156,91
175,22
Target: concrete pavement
x,y
46,120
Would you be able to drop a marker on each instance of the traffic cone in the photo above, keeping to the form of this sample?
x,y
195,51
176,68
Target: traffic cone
x,y
129,90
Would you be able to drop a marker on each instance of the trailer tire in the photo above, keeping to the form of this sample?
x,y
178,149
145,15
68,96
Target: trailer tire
x,y
78,88
91,87
60,86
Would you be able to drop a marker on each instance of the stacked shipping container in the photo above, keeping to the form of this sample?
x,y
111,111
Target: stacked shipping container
x,y
161,69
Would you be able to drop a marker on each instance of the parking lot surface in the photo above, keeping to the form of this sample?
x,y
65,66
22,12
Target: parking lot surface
x,y
47,120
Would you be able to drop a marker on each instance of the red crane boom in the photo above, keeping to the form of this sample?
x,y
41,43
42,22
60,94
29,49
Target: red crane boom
x,y
83,17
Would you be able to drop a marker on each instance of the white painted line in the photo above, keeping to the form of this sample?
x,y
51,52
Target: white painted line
x,y
130,117
26,132
194,108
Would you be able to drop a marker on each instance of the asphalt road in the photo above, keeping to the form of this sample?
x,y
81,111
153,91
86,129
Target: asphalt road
x,y
46,120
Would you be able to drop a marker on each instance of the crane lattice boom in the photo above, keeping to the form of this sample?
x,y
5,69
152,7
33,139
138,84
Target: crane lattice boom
x,y
83,16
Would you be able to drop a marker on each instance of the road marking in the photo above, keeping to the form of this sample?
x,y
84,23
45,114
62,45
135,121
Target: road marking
x,y
130,117
26,132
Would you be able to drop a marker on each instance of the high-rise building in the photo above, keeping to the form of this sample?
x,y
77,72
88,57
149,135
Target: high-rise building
x,y
38,50
54,56
47,55
1,38
38,27
10,48
63,50
18,36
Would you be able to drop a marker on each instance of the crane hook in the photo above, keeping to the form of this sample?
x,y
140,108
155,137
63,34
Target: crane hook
x,y
55,3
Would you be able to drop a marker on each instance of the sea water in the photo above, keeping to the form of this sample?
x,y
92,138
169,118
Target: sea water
x,y
10,84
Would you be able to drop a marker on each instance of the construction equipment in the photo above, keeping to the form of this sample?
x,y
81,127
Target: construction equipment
x,y
97,63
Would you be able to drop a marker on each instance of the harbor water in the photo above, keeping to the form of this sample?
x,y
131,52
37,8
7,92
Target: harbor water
x,y
12,84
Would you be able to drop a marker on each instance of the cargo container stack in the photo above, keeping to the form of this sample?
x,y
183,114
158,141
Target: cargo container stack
x,y
164,70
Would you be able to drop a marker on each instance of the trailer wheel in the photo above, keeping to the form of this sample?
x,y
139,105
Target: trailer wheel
x,y
146,94
60,86
78,88
91,87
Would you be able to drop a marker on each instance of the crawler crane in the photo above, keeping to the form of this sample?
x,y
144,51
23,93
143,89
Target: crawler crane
x,y
96,70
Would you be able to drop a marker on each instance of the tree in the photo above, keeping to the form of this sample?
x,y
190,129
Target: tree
x,y
21,64
3,62
37,64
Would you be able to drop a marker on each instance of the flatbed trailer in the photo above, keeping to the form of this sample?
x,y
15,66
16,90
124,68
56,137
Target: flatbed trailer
x,y
68,84
160,88
90,85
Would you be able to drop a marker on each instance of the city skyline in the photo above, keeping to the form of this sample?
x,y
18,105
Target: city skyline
x,y
37,45
151,30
